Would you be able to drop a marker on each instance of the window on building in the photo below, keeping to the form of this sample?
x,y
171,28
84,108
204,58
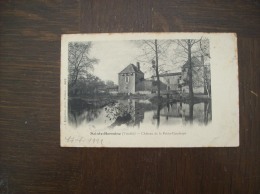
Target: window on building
x,y
126,79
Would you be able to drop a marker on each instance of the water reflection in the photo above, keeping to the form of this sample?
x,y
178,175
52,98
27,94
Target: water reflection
x,y
135,113
77,116
199,112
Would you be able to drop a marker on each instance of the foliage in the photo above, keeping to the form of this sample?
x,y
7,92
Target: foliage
x,y
110,83
186,50
80,63
114,111
87,86
81,80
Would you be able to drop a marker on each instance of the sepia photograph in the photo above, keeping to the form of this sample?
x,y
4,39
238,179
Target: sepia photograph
x,y
137,87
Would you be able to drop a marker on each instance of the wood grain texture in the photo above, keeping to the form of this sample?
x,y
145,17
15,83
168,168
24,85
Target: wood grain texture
x,y
31,160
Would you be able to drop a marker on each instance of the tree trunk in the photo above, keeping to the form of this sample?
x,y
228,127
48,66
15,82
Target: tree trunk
x,y
158,114
191,104
157,71
205,79
75,80
190,71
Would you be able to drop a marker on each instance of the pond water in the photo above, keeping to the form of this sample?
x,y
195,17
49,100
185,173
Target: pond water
x,y
137,113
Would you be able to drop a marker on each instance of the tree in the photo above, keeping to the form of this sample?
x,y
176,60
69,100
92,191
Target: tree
x,y
80,64
156,63
154,54
87,86
180,51
204,47
188,48
110,83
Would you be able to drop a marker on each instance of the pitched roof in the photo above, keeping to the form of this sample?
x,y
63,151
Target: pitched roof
x,y
195,62
130,69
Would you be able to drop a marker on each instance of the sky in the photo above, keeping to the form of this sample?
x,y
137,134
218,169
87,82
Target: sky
x,y
113,57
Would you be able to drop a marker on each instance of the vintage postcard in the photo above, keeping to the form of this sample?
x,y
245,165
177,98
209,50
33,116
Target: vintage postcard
x,y
149,90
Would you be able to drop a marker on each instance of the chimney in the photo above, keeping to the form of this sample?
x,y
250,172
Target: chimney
x,y
202,59
138,66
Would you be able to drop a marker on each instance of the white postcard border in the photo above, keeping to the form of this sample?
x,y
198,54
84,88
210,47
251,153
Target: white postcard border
x,y
223,131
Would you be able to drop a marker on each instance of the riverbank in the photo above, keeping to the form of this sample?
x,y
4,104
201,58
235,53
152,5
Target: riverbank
x,y
102,100
84,102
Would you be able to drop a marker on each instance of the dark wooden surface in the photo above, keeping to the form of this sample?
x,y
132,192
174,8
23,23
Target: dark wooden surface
x,y
31,160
